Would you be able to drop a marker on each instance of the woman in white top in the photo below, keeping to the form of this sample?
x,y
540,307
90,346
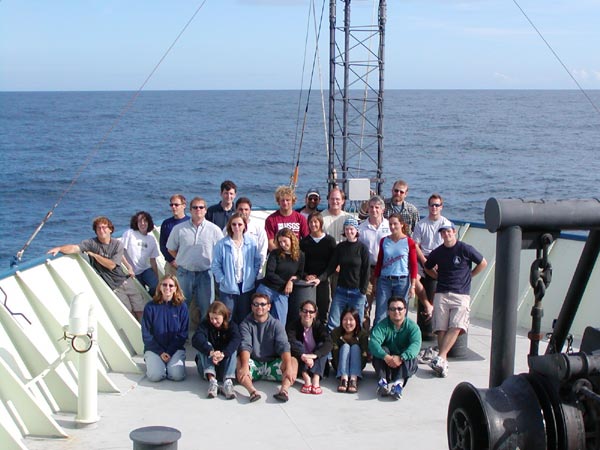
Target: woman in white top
x,y
141,250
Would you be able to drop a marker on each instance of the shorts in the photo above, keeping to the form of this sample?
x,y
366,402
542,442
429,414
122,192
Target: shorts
x,y
270,371
451,310
130,296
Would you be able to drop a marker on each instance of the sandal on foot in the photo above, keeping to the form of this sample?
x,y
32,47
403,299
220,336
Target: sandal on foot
x,y
254,397
343,387
316,390
352,387
306,389
281,396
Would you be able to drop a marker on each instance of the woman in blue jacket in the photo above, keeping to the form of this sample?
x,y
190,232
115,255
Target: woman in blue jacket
x,y
165,325
235,266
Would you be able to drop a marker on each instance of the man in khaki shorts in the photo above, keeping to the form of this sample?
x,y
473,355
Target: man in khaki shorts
x,y
451,264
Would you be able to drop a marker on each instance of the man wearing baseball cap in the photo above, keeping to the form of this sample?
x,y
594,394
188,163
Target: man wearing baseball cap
x,y
311,202
452,265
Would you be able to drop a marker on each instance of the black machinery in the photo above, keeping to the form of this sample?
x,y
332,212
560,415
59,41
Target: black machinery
x,y
557,404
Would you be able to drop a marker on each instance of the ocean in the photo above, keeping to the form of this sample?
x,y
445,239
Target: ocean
x,y
466,145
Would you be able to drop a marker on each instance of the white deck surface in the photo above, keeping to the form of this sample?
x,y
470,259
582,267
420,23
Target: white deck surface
x,y
331,420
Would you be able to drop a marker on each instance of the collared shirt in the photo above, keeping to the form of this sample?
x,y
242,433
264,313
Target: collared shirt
x,y
370,236
194,244
408,212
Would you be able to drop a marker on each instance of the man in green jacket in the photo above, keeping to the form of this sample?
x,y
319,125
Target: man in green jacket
x,y
395,343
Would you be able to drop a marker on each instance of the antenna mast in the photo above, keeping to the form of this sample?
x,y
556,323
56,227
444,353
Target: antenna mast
x,y
355,101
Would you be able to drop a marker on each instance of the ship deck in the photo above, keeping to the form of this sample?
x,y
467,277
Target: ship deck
x,y
336,420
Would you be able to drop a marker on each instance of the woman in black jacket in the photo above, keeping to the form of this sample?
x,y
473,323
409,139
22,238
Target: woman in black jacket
x,y
310,344
217,340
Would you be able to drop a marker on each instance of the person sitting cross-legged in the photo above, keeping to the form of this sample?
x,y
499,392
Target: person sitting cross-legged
x,y
265,351
395,343
310,344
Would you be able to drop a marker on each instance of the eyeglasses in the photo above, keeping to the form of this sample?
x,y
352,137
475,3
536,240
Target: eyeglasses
x,y
399,191
175,204
435,205
395,309
259,305
307,311
167,285
198,207
234,224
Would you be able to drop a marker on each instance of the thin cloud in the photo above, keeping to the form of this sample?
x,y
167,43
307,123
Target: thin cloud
x,y
503,78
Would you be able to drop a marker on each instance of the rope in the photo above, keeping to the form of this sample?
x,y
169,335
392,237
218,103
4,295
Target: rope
x,y
99,145
558,58
294,177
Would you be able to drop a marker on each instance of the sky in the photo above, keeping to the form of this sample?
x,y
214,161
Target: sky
x,y
84,45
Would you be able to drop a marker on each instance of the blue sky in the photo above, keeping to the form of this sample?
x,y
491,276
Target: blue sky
x,y
259,44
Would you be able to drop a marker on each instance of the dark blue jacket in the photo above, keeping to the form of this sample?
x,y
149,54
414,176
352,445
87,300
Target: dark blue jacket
x,y
165,327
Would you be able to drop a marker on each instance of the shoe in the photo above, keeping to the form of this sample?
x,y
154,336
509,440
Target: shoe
x,y
228,391
439,366
396,391
213,388
427,355
306,389
352,387
343,387
254,397
281,396
383,389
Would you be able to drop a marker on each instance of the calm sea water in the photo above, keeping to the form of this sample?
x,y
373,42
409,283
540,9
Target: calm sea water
x,y
467,145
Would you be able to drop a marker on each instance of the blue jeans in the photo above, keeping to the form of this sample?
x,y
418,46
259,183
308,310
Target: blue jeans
x,y
222,371
342,299
158,370
279,303
198,285
349,361
238,304
385,289
148,278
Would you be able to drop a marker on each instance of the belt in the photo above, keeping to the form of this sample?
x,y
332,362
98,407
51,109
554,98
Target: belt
x,y
394,277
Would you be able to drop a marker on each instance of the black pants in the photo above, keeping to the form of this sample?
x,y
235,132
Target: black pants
x,y
404,372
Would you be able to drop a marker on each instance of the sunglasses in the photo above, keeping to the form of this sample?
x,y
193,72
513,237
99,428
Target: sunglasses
x,y
399,191
307,311
175,204
198,207
396,309
435,205
168,285
259,305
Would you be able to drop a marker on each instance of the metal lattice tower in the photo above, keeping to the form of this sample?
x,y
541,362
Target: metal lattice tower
x,y
356,99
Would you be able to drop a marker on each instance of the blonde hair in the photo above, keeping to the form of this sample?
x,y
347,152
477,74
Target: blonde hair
x,y
178,297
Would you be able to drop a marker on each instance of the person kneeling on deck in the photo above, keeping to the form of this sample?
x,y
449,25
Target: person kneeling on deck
x,y
164,332
451,264
395,343
265,351
106,256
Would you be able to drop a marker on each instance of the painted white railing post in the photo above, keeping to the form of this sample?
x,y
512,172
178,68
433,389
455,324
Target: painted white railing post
x,y
83,328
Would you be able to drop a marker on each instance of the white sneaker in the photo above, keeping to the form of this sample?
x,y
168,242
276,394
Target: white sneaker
x,y
439,366
228,391
213,388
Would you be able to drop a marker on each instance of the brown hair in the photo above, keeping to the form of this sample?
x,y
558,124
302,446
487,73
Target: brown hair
x,y
178,297
102,220
295,245
316,215
235,215
133,223
403,224
220,309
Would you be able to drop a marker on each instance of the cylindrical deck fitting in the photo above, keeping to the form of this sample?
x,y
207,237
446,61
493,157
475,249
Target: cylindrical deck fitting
x,y
155,438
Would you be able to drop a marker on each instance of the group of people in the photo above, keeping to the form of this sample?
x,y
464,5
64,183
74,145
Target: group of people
x,y
242,279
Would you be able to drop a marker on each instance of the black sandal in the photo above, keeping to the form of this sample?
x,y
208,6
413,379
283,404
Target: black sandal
x,y
281,396
254,397
343,387
353,387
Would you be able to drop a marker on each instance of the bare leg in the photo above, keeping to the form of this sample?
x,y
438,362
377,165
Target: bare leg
x,y
446,341
245,380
